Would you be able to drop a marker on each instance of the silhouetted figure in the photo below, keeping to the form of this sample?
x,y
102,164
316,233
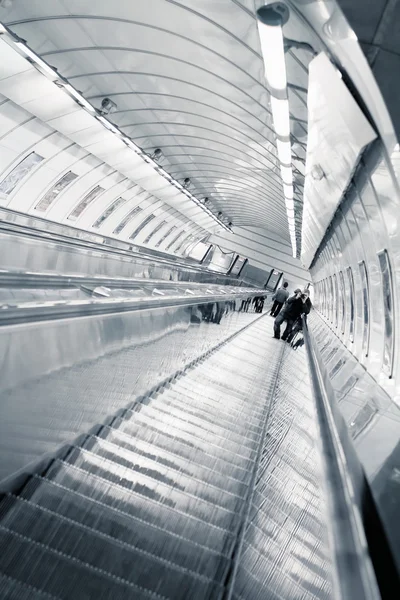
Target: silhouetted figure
x,y
297,305
279,299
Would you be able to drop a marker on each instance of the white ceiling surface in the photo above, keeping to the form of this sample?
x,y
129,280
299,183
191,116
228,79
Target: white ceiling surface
x,y
32,91
21,134
187,77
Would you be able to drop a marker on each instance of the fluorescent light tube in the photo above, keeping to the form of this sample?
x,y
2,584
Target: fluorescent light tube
x,y
38,62
287,175
280,115
271,38
284,152
108,124
71,90
288,191
289,204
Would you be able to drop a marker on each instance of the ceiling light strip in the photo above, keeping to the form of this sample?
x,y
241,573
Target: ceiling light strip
x,y
61,82
270,22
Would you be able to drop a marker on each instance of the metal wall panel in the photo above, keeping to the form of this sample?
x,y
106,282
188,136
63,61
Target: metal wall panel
x,y
364,238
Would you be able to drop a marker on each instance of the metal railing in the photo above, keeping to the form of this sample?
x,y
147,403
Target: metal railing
x,y
354,576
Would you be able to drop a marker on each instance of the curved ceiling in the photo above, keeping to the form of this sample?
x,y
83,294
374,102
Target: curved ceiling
x,y
187,77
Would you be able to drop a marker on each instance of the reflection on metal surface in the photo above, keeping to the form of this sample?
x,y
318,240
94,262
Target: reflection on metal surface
x,y
342,293
347,386
21,170
288,506
112,208
88,199
165,235
184,243
387,292
351,302
336,301
365,304
52,194
373,422
175,239
335,370
155,230
331,299
132,213
363,418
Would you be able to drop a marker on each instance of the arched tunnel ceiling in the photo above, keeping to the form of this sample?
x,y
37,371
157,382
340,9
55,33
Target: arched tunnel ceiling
x,y
187,77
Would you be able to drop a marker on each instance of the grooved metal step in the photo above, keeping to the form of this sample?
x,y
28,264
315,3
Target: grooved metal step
x,y
151,505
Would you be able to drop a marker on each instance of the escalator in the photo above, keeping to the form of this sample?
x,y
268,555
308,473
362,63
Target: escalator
x,y
153,504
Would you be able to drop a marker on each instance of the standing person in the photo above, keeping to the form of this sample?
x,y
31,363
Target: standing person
x,y
298,325
294,307
279,299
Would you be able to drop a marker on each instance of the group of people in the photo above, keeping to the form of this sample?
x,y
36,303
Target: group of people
x,y
289,309
257,302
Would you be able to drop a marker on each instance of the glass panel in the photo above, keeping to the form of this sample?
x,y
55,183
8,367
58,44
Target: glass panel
x,y
342,293
164,237
142,225
112,208
273,280
88,199
53,193
238,266
21,170
363,418
321,296
388,311
330,300
336,301
156,229
179,246
176,238
127,218
351,298
365,292
188,245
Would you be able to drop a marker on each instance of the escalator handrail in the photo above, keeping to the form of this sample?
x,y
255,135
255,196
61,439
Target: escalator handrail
x,y
71,309
354,575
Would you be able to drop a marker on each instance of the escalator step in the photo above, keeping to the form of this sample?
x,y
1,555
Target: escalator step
x,y
208,474
35,565
127,528
80,543
209,426
150,468
230,452
11,589
183,446
199,407
117,496
148,487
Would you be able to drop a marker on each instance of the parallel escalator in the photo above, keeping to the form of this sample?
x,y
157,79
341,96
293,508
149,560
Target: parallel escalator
x,y
152,504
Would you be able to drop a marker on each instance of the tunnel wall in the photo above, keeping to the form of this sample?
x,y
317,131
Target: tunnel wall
x,y
43,174
356,271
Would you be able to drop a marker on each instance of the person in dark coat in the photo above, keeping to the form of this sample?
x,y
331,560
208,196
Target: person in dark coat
x,y
298,325
293,309
279,299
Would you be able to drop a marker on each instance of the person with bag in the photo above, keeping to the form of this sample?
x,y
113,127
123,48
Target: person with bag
x,y
297,305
